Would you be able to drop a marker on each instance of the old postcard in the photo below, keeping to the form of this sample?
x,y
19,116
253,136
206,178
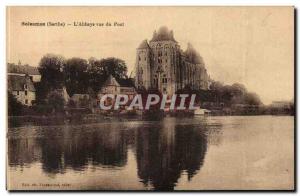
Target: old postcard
x,y
150,98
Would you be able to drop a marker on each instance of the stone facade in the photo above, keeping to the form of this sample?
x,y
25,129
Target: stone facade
x,y
115,87
162,65
22,88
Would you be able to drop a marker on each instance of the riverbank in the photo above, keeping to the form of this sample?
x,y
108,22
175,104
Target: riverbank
x,y
60,119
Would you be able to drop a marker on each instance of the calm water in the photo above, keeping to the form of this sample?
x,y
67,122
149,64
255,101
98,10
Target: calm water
x,y
254,152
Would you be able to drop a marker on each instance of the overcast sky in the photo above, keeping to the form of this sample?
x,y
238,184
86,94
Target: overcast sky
x,y
253,45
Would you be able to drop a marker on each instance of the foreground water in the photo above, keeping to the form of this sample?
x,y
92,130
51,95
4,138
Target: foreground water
x,y
200,153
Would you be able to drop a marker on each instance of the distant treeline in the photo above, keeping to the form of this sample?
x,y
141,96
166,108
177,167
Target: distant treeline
x,y
76,74
234,94
225,95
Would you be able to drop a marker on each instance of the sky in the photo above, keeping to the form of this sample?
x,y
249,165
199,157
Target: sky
x,y
250,45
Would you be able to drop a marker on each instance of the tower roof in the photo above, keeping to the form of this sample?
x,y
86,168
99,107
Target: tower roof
x,y
163,34
192,55
144,45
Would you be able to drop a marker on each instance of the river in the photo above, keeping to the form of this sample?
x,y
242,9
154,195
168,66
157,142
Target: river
x,y
198,153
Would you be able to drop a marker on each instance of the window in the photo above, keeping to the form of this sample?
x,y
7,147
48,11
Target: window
x,y
164,80
26,101
159,53
18,93
25,93
139,58
25,86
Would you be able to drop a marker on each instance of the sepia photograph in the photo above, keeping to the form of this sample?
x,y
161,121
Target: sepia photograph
x,y
150,98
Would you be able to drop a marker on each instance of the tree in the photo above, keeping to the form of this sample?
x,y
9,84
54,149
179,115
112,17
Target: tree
x,y
115,67
238,89
252,99
99,70
96,74
234,94
41,92
51,70
76,76
56,101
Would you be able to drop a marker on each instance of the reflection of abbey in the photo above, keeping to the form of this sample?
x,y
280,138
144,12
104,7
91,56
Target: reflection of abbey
x,y
162,65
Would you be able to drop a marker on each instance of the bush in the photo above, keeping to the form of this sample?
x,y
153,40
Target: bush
x,y
15,108
56,101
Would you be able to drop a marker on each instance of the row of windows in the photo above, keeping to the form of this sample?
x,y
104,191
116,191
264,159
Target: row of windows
x,y
18,93
164,75
161,54
141,58
164,80
159,46
159,60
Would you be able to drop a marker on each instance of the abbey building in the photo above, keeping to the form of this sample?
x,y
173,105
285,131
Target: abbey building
x,y
162,65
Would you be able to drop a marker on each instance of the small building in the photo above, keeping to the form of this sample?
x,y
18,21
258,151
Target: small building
x,y
22,88
115,87
281,104
127,88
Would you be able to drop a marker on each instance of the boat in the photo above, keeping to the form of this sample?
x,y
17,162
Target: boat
x,y
200,111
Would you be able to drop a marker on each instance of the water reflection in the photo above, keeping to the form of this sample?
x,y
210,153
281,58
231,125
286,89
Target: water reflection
x,y
163,150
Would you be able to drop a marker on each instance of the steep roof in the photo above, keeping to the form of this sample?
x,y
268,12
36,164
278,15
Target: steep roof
x,y
144,45
111,81
193,56
17,83
163,34
128,82
22,69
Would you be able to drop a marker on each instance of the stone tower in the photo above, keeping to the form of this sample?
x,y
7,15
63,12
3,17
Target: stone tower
x,y
162,65
143,62
164,50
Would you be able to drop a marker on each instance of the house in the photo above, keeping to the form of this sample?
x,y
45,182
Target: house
x,y
281,104
115,87
22,70
22,88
